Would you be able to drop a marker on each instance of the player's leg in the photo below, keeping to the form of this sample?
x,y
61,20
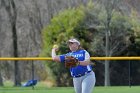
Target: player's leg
x,y
88,83
77,82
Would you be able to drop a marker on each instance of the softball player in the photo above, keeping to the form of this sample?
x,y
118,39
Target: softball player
x,y
83,76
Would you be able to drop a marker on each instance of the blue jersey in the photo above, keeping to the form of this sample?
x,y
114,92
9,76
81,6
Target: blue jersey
x,y
81,55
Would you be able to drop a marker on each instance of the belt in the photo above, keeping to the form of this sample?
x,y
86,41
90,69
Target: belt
x,y
80,75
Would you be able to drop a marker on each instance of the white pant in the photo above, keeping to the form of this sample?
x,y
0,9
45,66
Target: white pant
x,y
84,84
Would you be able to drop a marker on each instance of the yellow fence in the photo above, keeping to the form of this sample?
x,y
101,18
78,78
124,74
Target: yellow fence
x,y
49,58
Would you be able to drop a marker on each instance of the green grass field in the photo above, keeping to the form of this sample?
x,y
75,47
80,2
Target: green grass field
x,y
68,90
40,88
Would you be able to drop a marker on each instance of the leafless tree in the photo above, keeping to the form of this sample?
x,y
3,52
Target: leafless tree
x,y
11,10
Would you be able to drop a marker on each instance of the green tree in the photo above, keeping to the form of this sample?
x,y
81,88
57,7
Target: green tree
x,y
112,32
66,24
134,20
94,26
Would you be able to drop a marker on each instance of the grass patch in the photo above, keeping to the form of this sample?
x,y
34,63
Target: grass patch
x,y
41,88
133,89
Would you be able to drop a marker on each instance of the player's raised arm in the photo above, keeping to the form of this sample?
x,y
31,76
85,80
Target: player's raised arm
x,y
54,56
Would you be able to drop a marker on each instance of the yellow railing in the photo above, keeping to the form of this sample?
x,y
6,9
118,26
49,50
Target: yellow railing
x,y
49,58
115,58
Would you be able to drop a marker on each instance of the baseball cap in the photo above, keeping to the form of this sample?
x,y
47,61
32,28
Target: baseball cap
x,y
74,40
